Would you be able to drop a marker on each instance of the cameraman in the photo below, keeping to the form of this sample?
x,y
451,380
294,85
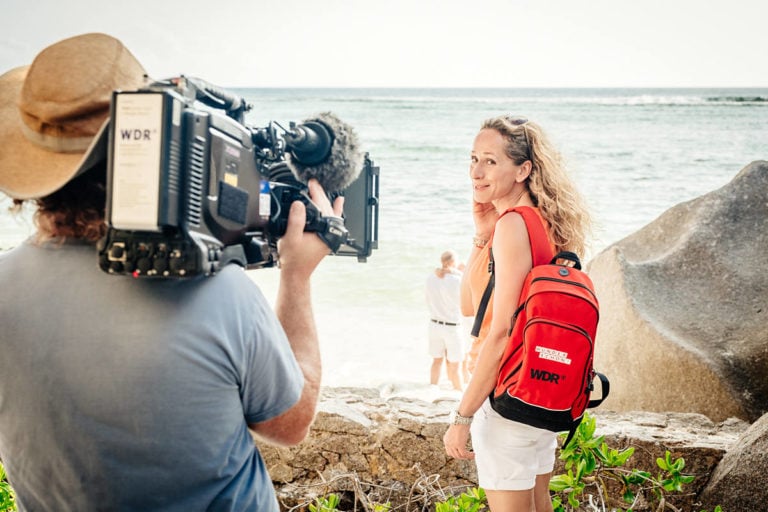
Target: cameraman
x,y
124,394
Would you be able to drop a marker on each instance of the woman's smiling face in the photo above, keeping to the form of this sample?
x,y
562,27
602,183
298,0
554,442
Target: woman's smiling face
x,y
493,173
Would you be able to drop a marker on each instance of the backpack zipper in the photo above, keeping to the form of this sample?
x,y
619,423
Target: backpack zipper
x,y
563,281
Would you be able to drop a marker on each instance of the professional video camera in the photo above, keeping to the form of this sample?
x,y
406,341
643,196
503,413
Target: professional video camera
x,y
191,188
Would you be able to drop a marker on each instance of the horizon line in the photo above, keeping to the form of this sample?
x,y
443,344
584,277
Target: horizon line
x,y
531,87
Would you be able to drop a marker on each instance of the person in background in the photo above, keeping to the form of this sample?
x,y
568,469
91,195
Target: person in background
x,y
512,164
133,394
443,294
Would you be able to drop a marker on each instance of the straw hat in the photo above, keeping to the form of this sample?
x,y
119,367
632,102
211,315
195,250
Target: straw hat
x,y
52,110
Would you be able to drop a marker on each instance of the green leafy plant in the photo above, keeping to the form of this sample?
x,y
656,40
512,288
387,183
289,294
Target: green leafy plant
x,y
590,464
7,498
470,501
326,504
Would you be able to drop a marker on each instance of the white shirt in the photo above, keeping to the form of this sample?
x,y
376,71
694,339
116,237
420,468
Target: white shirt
x,y
444,297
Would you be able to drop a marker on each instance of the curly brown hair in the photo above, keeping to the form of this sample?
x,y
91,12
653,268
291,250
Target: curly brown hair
x,y
549,184
74,211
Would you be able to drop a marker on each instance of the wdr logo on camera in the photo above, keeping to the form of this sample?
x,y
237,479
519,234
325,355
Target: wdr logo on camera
x,y
136,135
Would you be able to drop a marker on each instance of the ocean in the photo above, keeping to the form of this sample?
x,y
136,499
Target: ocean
x,y
634,153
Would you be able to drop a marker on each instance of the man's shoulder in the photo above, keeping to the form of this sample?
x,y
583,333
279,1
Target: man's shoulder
x,y
233,275
454,275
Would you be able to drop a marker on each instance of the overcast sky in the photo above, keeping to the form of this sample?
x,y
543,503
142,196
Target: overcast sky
x,y
415,43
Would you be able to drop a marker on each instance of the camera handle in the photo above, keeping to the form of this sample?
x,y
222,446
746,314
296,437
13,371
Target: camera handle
x,y
332,231
216,97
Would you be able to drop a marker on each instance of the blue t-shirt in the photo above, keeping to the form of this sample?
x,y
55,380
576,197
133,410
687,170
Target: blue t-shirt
x,y
126,394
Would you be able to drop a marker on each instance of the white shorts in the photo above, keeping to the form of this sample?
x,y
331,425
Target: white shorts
x,y
445,341
509,454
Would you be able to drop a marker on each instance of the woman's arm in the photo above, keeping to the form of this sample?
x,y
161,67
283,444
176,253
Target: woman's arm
x,y
512,256
485,217
467,308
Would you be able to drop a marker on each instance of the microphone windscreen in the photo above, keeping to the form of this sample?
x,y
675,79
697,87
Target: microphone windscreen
x,y
344,162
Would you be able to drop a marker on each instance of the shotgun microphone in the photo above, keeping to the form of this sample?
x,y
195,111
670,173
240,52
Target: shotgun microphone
x,y
324,148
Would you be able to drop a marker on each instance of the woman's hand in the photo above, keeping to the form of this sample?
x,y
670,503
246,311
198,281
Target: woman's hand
x,y
485,216
455,441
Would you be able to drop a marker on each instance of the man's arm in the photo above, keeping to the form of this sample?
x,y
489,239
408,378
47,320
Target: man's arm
x,y
300,253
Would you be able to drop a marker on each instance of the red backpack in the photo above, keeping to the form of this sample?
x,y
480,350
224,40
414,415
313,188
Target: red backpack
x,y
546,375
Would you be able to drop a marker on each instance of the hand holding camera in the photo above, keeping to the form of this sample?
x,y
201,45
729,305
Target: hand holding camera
x,y
300,250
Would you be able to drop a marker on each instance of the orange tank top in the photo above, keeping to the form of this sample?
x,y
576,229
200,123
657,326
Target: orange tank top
x,y
478,275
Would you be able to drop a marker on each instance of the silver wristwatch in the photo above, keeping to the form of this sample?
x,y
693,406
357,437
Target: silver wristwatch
x,y
458,419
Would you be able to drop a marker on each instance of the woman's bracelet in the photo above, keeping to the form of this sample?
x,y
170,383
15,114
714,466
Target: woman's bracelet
x,y
479,242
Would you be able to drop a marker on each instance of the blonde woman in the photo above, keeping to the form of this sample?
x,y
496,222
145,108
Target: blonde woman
x,y
513,164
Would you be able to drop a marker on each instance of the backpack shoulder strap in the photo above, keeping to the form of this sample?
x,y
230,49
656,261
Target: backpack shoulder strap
x,y
541,254
541,250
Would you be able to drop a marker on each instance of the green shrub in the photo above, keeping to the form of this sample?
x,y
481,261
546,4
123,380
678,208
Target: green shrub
x,y
590,464
326,504
331,502
7,498
470,501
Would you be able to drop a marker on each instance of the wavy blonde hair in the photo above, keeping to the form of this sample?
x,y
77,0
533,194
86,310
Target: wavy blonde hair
x,y
549,185
75,211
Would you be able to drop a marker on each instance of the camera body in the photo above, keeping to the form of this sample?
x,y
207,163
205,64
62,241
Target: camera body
x,y
191,187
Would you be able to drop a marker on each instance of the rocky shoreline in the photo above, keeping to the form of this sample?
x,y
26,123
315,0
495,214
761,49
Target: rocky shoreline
x,y
390,449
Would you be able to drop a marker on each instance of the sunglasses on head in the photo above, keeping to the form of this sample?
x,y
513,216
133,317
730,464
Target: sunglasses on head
x,y
515,120
520,121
